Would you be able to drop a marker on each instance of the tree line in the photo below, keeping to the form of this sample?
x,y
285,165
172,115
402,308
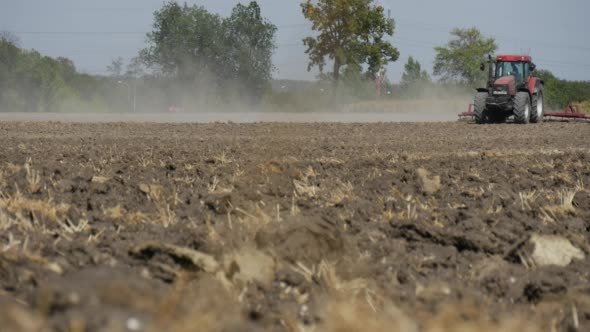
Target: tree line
x,y
30,81
195,56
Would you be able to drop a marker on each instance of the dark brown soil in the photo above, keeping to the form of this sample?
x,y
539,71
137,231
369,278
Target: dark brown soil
x,y
292,227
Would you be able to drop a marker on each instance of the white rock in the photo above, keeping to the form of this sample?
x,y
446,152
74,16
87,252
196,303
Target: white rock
x,y
99,179
133,324
553,250
430,184
253,265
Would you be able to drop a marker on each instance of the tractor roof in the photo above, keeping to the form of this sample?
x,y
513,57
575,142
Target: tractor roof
x,y
514,58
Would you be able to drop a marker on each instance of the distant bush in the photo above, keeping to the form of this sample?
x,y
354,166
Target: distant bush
x,y
559,93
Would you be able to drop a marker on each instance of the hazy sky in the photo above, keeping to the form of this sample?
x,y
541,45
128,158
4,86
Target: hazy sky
x,y
92,33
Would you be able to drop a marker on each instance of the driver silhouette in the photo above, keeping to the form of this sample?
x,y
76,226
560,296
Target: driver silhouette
x,y
515,73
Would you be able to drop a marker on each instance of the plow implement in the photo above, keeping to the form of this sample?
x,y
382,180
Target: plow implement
x,y
469,115
571,112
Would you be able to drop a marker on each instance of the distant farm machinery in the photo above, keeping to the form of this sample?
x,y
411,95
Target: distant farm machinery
x,y
513,91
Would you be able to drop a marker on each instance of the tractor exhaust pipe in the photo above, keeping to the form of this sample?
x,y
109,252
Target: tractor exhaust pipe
x,y
490,71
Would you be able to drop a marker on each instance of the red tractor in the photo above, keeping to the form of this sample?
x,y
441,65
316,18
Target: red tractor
x,y
511,90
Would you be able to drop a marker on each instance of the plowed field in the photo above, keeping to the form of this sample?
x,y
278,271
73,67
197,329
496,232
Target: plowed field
x,y
294,227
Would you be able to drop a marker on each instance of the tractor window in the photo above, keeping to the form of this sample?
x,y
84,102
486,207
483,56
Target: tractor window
x,y
515,69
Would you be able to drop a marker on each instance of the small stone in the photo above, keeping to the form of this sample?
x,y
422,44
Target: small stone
x,y
430,184
133,324
145,273
99,179
54,267
253,265
553,250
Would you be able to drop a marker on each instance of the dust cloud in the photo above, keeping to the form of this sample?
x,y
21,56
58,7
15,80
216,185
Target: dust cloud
x,y
208,101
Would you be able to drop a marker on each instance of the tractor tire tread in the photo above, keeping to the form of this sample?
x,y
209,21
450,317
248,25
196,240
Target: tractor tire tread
x,y
534,117
479,108
521,101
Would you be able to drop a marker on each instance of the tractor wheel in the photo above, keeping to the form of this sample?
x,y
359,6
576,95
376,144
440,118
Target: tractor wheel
x,y
538,108
522,108
479,108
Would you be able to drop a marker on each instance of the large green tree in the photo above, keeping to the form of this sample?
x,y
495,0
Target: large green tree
x,y
189,43
249,46
185,41
460,59
350,33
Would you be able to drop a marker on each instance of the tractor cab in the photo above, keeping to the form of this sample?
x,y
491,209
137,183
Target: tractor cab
x,y
507,69
508,74
517,66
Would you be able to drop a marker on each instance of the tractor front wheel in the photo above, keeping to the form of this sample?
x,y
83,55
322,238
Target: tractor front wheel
x,y
479,108
522,108
538,108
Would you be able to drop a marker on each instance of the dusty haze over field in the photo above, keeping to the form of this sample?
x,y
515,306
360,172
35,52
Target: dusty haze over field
x,y
93,33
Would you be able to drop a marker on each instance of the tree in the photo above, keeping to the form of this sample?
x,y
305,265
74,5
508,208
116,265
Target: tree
x,y
185,41
460,59
414,79
350,33
67,68
413,74
10,38
189,44
250,44
135,68
9,55
116,68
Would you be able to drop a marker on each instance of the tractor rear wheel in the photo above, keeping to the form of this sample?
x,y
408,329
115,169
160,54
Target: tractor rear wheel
x,y
522,108
538,108
479,108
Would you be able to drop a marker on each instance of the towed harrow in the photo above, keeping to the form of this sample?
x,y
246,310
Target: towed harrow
x,y
571,111
469,115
